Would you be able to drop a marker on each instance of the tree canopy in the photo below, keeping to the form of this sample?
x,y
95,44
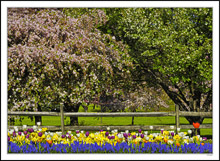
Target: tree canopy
x,y
171,47
53,58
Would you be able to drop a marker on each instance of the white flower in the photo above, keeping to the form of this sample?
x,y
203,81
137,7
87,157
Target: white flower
x,y
59,133
178,129
198,136
129,138
181,134
146,137
116,130
154,135
69,132
146,132
15,127
35,127
22,134
38,123
82,131
40,129
200,139
171,127
151,127
120,136
108,128
170,142
191,140
51,134
11,132
189,131
24,126
78,135
127,131
16,130
136,134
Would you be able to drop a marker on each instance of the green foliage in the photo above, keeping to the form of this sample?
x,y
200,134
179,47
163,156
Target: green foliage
x,y
171,47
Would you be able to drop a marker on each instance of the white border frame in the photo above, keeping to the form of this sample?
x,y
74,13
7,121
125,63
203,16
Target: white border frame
x,y
99,4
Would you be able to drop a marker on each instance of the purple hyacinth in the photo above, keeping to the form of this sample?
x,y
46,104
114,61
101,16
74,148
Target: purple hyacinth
x,y
161,131
107,133
77,131
101,130
25,132
172,133
134,136
14,134
40,134
69,137
142,135
19,133
27,136
109,137
139,130
63,136
8,138
129,134
87,133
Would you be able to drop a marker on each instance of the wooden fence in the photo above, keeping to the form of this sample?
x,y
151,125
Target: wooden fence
x,y
177,114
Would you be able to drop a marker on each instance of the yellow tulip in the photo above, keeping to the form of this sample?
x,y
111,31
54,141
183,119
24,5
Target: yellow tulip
x,y
165,132
177,137
92,135
44,129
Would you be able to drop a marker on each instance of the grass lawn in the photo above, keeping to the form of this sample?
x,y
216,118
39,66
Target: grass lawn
x,y
96,121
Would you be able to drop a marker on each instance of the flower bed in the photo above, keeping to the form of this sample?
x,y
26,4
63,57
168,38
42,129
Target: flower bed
x,y
36,140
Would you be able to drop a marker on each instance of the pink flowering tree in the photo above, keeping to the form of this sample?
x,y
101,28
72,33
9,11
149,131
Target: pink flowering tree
x,y
53,59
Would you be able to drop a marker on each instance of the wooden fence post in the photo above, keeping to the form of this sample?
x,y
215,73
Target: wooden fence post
x,y
62,118
177,117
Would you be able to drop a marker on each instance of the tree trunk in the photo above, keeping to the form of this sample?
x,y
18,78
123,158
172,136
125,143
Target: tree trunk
x,y
38,118
74,120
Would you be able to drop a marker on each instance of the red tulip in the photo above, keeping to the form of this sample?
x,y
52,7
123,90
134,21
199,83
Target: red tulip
x,y
196,125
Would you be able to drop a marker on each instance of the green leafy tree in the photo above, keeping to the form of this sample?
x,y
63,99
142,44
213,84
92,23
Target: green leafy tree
x,y
171,48
53,59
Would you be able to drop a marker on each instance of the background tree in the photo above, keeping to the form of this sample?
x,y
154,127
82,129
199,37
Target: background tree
x,y
133,99
171,48
53,58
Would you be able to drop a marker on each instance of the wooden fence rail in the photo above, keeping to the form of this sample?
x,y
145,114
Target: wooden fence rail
x,y
177,114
